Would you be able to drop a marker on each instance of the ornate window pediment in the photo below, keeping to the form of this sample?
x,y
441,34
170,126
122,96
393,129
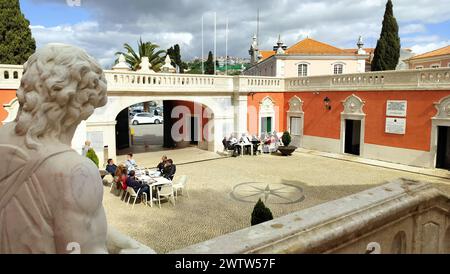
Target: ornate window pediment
x,y
267,105
295,104
353,105
443,108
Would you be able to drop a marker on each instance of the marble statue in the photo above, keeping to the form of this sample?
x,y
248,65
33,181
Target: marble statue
x,y
50,196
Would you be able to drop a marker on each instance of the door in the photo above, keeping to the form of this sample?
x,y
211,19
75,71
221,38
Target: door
x,y
296,125
352,137
123,130
443,148
266,124
194,130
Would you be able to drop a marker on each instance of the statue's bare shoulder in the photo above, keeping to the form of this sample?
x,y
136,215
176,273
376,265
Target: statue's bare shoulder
x,y
76,193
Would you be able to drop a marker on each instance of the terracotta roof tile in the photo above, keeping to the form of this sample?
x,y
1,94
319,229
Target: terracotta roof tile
x,y
266,54
434,53
311,46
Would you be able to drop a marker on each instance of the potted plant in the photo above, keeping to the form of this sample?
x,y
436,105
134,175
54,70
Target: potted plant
x,y
286,149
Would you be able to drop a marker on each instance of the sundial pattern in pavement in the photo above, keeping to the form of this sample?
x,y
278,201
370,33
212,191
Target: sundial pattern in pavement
x,y
269,193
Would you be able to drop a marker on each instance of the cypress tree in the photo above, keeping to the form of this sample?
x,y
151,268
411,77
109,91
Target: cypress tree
x,y
387,52
175,55
16,41
209,64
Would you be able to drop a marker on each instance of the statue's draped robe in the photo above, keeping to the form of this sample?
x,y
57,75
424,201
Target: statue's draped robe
x,y
26,222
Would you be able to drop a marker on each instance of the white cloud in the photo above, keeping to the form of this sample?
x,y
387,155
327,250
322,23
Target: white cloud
x,y
103,44
338,22
422,48
412,28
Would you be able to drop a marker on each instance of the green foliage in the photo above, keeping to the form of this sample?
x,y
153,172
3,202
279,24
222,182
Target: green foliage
x,y
261,213
16,41
387,52
195,67
209,64
286,138
93,156
175,55
147,49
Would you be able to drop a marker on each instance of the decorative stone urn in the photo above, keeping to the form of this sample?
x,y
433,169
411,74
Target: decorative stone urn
x,y
286,150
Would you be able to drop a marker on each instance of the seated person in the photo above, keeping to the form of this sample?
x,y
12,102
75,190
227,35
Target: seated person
x,y
245,140
130,162
169,170
234,145
225,143
256,142
124,178
136,185
111,167
160,166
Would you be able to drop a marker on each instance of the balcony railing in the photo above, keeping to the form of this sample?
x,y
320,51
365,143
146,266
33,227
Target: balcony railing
x,y
426,79
387,80
10,76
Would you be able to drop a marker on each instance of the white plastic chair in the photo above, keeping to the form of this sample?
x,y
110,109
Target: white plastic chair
x,y
166,191
180,185
134,195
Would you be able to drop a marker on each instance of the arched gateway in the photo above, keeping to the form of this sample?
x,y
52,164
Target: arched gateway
x,y
128,88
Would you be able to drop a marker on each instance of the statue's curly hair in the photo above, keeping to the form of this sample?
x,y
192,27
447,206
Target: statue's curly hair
x,y
61,86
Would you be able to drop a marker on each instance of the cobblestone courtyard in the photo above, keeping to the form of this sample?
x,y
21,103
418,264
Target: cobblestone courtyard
x,y
222,193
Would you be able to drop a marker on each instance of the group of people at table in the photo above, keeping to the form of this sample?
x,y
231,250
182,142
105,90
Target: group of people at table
x,y
250,144
126,175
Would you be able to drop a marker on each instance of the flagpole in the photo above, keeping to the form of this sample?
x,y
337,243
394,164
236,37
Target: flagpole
x,y
203,59
226,48
215,41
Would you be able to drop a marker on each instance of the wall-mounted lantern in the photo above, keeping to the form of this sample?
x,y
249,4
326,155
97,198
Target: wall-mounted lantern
x,y
327,103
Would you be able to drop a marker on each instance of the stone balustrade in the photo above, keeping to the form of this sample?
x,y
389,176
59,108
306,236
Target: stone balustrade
x,y
387,80
400,217
260,84
426,79
134,81
10,76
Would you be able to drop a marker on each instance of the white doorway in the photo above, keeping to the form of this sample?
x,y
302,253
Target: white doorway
x,y
295,121
266,116
353,126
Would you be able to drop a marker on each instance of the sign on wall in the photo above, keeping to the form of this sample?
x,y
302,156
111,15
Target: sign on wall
x,y
396,125
396,108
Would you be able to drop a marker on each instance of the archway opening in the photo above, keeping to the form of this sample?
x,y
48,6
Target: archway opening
x,y
168,124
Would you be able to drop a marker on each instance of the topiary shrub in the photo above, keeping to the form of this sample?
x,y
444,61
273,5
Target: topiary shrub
x,y
93,156
261,213
286,138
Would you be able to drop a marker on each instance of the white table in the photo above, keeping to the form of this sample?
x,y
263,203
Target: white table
x,y
153,182
242,145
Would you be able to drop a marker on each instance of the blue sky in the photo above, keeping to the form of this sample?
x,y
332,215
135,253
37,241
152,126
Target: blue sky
x,y
102,26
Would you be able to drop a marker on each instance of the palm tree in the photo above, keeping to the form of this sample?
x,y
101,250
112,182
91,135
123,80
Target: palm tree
x,y
147,49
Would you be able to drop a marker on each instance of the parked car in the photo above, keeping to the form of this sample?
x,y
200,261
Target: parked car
x,y
134,112
146,118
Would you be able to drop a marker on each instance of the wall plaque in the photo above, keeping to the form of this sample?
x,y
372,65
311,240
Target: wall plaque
x,y
396,108
396,125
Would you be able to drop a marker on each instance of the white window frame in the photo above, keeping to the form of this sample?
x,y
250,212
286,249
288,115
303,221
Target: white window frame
x,y
333,67
307,69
